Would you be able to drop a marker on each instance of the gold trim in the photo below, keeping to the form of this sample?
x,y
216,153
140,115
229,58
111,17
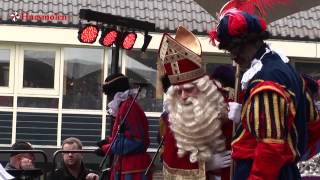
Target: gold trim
x,y
256,115
296,145
311,108
282,111
178,52
272,88
276,114
188,40
120,77
270,140
267,111
184,174
292,109
240,136
291,147
177,78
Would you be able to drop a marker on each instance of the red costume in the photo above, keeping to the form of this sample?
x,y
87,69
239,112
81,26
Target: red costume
x,y
274,130
190,138
131,144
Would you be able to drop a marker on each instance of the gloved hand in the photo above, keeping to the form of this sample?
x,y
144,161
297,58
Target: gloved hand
x,y
234,111
99,152
102,142
219,161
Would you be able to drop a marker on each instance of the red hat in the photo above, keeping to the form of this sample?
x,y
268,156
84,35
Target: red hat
x,y
181,57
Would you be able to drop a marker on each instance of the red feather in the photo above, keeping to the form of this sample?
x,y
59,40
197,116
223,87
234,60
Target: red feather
x,y
213,35
253,6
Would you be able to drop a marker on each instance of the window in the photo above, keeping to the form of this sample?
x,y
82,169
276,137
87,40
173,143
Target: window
x,y
6,68
213,61
37,102
141,68
82,78
39,71
310,68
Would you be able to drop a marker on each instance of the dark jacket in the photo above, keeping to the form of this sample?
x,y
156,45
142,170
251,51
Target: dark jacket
x,y
63,173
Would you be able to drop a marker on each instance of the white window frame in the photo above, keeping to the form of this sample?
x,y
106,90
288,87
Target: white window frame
x,y
54,92
9,89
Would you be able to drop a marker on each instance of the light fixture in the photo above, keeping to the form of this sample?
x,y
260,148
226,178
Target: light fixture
x,y
128,40
88,33
108,37
146,41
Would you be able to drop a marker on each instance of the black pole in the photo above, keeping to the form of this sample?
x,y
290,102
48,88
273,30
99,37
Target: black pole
x,y
115,59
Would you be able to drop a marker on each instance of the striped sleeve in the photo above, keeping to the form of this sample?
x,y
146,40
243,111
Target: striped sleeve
x,y
265,116
313,126
312,111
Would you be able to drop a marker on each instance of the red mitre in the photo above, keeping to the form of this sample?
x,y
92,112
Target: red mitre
x,y
180,57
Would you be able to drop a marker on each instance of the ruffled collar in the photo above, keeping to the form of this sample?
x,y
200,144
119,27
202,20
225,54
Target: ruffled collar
x,y
256,65
119,97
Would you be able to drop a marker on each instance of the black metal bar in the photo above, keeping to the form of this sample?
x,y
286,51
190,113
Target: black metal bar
x,y
107,18
115,59
154,157
45,157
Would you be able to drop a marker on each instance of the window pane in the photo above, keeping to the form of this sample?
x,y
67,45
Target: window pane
x,y
83,73
6,127
37,102
212,62
312,69
85,127
38,70
4,67
142,70
37,128
6,101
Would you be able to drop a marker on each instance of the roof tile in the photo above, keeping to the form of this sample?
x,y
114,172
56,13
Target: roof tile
x,y
166,14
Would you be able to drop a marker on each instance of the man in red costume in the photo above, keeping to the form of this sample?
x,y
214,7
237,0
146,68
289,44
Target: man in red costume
x,y
131,144
274,129
193,141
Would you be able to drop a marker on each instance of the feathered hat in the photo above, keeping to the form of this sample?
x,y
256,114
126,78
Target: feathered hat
x,y
180,57
115,83
241,21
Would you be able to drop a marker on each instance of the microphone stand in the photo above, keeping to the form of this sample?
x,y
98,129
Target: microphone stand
x,y
119,130
154,157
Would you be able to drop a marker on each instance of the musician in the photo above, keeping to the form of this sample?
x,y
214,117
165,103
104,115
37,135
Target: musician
x,y
193,141
131,144
273,132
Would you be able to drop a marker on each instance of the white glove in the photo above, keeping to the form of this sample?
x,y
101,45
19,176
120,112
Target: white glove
x,y
219,161
92,176
234,111
318,105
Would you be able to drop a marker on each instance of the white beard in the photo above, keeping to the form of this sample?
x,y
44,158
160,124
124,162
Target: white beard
x,y
196,123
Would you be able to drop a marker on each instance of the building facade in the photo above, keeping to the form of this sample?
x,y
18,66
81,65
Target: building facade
x,y
50,83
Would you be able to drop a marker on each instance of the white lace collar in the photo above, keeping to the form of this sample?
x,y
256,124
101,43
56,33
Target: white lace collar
x,y
113,105
256,66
